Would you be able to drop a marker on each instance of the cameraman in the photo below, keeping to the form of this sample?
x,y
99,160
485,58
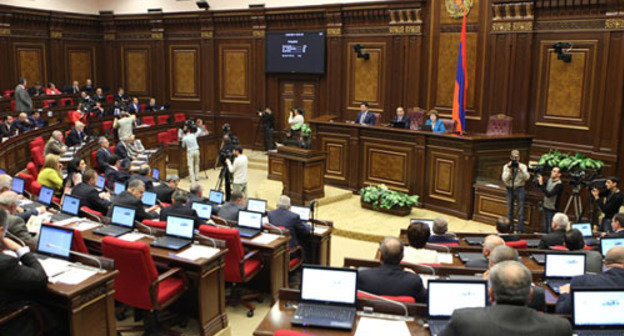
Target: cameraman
x,y
611,206
515,175
552,190
189,140
268,122
238,170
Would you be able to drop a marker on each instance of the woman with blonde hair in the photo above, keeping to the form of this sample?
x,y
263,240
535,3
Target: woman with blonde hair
x,y
50,175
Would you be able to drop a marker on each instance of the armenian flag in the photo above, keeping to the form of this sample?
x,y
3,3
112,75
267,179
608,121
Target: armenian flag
x,y
459,94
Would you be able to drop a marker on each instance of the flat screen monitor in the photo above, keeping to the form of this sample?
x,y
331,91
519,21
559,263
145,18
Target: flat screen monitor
x,y
295,52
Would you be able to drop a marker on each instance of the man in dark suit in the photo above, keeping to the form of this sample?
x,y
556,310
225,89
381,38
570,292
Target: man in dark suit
x,y
131,198
152,106
75,88
489,244
36,120
503,227
89,88
22,124
103,155
510,289
120,96
365,117
557,235
89,195
229,210
400,120
143,175
389,278
611,278
180,207
77,135
164,191
99,96
36,90
121,151
134,107
6,129
114,173
617,225
440,235
282,216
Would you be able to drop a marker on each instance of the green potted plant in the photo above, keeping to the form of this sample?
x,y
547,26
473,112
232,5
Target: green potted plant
x,y
380,198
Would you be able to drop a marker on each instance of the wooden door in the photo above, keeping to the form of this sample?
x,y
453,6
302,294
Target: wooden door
x,y
300,94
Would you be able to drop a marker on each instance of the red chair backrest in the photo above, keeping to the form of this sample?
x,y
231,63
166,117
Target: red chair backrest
x,y
13,105
32,169
163,138
142,107
35,188
449,125
78,243
149,120
28,179
155,224
235,249
112,149
377,118
94,162
136,271
173,134
107,125
179,117
559,248
8,93
284,332
67,102
109,98
447,244
417,117
163,119
37,155
519,244
405,299
499,124
36,142
91,211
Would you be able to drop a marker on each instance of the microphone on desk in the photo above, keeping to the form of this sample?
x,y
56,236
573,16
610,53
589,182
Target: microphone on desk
x,y
400,304
214,242
100,270
281,233
312,208
149,228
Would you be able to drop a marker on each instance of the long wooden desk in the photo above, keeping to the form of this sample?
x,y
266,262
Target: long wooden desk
x,y
441,168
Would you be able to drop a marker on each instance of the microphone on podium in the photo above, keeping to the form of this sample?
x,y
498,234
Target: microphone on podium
x,y
100,270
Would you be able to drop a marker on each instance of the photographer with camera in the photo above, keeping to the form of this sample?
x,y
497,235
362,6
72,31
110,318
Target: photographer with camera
x,y
515,175
189,141
611,205
238,169
552,190
268,123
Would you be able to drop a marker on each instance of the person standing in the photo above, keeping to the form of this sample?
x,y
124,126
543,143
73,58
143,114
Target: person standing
x,y
238,170
23,102
124,125
295,119
515,174
268,122
612,203
189,141
552,190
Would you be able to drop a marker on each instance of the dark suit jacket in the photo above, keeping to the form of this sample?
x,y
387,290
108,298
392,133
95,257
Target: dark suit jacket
x,y
149,184
229,211
75,138
442,239
6,131
90,197
292,222
392,280
182,210
556,237
97,98
102,156
163,192
134,109
509,237
152,108
128,200
612,278
368,120
508,320
119,98
19,280
405,121
478,263
39,122
113,175
618,234
21,126
121,151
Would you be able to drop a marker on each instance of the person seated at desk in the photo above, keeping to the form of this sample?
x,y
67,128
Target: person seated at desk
x,y
436,124
120,96
77,135
229,210
418,235
557,235
36,90
282,216
22,124
55,145
75,169
389,278
134,147
152,106
51,90
510,290
400,120
9,201
617,225
89,195
489,244
121,149
115,172
179,207
50,175
196,194
365,117
98,96
36,120
88,87
143,174
164,191
103,154
97,110
6,128
503,227
575,242
134,107
74,88
440,235
131,198
85,101
613,277
5,182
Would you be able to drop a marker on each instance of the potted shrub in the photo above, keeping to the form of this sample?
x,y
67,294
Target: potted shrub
x,y
380,198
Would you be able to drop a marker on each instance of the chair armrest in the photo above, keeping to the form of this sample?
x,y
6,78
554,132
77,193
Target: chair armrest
x,y
295,249
248,256
161,278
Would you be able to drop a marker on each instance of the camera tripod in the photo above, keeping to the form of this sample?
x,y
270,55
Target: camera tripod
x,y
575,200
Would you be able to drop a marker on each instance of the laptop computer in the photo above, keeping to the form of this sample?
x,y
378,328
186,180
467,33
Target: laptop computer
x,y
215,197
562,267
533,243
69,208
598,311
121,222
425,127
474,240
303,212
444,296
586,230
607,243
204,211
53,248
17,185
470,256
328,298
256,205
429,222
156,174
539,258
100,182
178,233
249,223
43,200
148,199
118,188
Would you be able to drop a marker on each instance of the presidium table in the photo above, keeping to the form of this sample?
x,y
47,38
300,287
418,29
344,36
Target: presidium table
x,y
443,169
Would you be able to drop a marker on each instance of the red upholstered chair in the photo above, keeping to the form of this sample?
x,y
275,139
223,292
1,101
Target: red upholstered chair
x,y
67,102
107,126
296,254
404,299
142,107
155,224
239,267
284,332
499,124
37,156
13,105
173,134
28,179
148,120
35,187
36,142
449,125
138,283
112,149
78,243
179,117
417,118
559,248
91,214
163,138
520,244
48,102
377,118
109,98
448,244
94,162
32,169
8,93
162,119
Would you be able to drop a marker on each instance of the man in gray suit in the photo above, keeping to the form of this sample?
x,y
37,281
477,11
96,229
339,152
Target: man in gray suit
x,y
23,103
510,290
229,210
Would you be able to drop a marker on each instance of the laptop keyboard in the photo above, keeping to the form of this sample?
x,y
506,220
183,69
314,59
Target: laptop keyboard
x,y
599,333
166,240
555,284
325,312
247,232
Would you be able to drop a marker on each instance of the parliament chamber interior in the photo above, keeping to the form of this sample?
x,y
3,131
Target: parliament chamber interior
x,y
311,168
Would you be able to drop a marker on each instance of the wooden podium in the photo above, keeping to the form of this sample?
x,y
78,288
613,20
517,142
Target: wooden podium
x,y
302,172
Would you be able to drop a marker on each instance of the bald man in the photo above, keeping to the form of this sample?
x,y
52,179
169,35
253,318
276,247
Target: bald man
x,y
390,278
489,244
613,277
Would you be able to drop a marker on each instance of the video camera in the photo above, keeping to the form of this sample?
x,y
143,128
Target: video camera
x,y
514,162
189,125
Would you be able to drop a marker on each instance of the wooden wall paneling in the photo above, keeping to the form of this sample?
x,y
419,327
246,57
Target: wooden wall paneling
x,y
209,70
31,62
413,75
520,89
235,73
366,79
184,72
334,69
613,94
80,64
136,71
387,162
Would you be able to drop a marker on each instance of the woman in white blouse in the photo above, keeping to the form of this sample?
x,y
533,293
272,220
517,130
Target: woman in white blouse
x,y
295,118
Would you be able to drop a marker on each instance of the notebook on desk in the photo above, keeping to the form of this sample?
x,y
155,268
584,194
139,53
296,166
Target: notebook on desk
x,y
302,211
69,208
328,298
586,230
178,233
256,205
249,223
607,243
444,296
53,249
562,267
598,311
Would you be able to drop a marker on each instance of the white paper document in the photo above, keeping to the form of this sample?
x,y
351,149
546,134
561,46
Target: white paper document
x,y
132,236
53,266
25,202
67,221
265,238
73,276
445,258
197,252
374,327
84,226
319,230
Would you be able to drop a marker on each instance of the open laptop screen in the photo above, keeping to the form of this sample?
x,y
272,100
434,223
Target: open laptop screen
x,y
429,222
180,227
446,296
119,188
55,241
149,198
101,180
45,195
156,173
71,205
204,211
123,216
608,243
324,284
303,212
563,265
585,228
17,185
216,197
249,219
256,205
598,308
